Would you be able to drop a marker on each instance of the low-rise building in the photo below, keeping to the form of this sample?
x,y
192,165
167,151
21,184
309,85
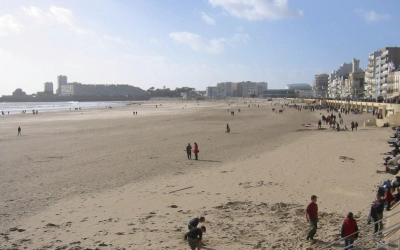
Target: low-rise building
x,y
279,93
212,92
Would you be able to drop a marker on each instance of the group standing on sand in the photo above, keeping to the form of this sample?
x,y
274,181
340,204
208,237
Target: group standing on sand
x,y
195,151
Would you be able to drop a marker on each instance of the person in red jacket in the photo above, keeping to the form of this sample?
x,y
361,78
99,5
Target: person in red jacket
x,y
312,217
389,197
196,150
349,230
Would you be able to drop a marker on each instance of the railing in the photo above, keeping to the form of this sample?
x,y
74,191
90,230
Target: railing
x,y
363,229
392,244
373,236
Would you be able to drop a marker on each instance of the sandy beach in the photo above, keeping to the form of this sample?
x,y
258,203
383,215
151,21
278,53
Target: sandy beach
x,y
108,179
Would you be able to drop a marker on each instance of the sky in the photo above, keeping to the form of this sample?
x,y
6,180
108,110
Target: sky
x,y
187,43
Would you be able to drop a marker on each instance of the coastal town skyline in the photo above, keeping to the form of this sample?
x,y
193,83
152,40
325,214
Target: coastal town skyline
x,y
201,43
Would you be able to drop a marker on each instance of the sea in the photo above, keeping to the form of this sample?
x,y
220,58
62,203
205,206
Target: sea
x,y
18,107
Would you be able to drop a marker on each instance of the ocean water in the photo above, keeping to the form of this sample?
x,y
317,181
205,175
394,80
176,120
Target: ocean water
x,y
18,107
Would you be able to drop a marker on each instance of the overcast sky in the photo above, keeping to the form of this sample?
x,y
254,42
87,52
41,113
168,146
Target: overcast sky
x,y
195,43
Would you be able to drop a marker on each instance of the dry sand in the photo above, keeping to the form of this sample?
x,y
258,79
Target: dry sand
x,y
106,179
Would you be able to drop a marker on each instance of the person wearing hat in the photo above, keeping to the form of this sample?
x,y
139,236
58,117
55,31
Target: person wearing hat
x,y
312,217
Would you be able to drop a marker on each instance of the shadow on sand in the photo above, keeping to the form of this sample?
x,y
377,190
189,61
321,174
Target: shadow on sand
x,y
209,160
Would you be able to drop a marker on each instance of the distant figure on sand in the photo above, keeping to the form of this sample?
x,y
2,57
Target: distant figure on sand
x,y
312,217
228,129
352,126
195,237
349,230
189,151
319,124
356,125
196,150
19,130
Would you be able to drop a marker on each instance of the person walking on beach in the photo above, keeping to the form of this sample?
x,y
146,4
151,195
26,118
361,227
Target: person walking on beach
x,y
19,130
196,150
379,207
356,125
352,126
312,217
195,237
349,230
189,151
228,129
319,124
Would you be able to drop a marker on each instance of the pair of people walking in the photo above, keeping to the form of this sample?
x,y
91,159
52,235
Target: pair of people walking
x,y
349,229
195,151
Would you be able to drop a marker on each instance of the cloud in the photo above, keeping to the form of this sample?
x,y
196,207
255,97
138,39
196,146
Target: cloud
x,y
241,37
213,46
372,16
155,41
207,19
116,39
34,12
257,9
5,56
65,16
9,25
198,43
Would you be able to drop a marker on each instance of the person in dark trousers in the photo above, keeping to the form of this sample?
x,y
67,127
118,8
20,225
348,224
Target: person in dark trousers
x,y
189,151
356,125
195,237
319,124
19,130
312,217
377,208
349,230
196,150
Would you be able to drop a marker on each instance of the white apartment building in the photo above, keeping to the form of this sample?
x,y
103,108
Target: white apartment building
x,y
48,88
61,80
389,59
370,84
239,89
320,87
227,89
212,92
261,86
393,91
337,80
